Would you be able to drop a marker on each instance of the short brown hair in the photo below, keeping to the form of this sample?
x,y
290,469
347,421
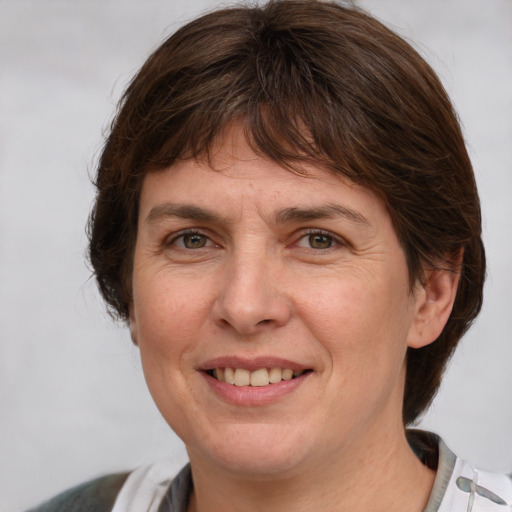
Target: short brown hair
x,y
309,81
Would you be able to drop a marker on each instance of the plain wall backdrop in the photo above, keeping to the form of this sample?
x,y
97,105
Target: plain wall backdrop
x,y
73,403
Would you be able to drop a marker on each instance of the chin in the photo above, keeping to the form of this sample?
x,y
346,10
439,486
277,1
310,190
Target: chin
x,y
254,451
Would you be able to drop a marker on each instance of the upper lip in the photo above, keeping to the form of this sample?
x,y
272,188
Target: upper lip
x,y
251,364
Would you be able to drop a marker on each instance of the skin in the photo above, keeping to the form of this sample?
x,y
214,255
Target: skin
x,y
254,279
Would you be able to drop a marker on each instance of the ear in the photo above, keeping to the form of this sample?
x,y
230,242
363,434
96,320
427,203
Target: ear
x,y
132,325
434,304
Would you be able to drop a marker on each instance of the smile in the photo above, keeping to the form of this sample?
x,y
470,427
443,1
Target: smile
x,y
261,377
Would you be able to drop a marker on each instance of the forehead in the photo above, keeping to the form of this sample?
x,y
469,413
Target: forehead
x,y
234,177
277,195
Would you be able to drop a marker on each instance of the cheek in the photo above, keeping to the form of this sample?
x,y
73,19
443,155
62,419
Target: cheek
x,y
360,324
168,321
340,309
168,316
170,297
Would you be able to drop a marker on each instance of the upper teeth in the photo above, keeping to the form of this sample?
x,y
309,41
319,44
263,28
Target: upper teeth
x,y
260,377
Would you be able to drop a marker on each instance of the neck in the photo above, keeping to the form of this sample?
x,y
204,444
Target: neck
x,y
381,474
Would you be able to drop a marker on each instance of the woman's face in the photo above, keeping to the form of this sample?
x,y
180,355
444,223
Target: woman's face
x,y
248,273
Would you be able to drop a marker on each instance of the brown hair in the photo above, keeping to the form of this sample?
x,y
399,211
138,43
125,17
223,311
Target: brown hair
x,y
309,81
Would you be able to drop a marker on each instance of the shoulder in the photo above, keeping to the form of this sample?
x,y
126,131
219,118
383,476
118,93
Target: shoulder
x,y
155,483
96,495
136,491
459,486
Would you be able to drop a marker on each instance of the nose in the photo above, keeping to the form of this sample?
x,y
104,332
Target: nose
x,y
250,296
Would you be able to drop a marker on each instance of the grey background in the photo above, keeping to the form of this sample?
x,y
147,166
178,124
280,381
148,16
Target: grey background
x,y
73,403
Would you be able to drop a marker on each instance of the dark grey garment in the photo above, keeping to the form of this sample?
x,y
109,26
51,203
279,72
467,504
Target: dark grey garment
x,y
96,495
176,499
100,494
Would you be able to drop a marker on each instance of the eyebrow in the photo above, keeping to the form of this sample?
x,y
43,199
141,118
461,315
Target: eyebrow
x,y
182,211
328,211
284,216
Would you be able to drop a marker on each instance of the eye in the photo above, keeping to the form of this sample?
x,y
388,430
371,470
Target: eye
x,y
318,240
191,240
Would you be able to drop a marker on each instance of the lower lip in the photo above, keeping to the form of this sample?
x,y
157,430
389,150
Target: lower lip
x,y
254,395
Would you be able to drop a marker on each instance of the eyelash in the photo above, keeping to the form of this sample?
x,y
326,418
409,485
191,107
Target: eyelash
x,y
189,232
333,240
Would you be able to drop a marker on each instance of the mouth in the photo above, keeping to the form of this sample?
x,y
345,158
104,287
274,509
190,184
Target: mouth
x,y
242,377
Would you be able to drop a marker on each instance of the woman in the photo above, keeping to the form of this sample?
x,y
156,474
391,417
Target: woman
x,y
288,221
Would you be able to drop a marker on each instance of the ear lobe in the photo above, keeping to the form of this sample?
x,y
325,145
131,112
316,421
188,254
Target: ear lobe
x,y
435,303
